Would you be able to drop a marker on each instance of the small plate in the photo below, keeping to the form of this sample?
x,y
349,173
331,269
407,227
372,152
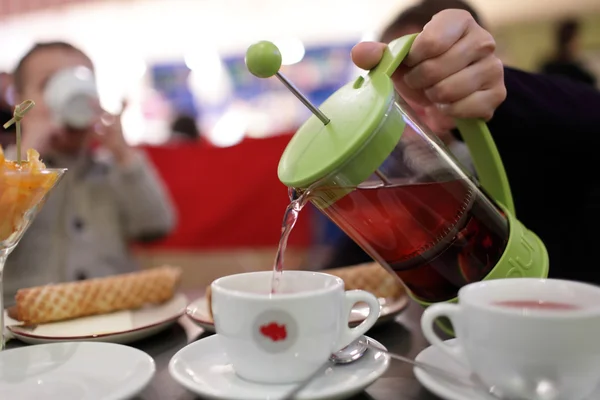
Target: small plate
x,y
119,327
203,368
74,371
198,312
449,389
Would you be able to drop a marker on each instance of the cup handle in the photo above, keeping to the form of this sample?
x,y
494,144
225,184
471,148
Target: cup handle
x,y
348,335
450,311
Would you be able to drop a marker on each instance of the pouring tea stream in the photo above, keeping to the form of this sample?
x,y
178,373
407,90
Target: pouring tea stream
x,y
264,60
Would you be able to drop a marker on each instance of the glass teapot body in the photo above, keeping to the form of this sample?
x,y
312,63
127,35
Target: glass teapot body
x,y
419,214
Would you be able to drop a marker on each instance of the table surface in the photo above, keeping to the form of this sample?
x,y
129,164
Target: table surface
x,y
401,336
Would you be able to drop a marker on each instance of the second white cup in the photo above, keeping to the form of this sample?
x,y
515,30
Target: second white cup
x,y
525,336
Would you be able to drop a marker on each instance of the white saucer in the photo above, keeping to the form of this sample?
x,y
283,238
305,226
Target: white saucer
x,y
197,311
119,327
74,371
203,368
446,389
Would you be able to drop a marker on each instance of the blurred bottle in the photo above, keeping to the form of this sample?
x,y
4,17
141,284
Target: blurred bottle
x,y
72,96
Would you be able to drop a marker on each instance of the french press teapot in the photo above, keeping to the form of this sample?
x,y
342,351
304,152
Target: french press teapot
x,y
378,173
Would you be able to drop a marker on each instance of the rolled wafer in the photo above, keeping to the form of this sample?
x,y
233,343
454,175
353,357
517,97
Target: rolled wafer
x,y
50,303
370,277
208,295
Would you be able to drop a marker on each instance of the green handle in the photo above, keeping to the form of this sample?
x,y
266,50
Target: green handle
x,y
487,161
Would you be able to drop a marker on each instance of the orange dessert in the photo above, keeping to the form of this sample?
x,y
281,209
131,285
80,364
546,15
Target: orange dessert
x,y
22,187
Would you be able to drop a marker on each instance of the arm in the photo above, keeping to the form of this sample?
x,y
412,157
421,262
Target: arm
x,y
143,202
545,130
543,104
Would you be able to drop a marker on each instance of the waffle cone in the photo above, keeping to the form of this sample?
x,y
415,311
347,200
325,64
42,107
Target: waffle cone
x,y
208,295
370,277
50,303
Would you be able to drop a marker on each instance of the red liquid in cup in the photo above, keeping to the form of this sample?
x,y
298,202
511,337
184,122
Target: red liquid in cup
x,y
537,305
437,237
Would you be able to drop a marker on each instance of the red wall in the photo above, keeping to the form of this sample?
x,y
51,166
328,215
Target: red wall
x,y
227,197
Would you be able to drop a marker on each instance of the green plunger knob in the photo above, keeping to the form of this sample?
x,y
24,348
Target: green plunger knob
x,y
263,59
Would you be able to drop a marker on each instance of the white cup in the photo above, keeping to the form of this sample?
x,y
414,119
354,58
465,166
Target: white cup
x,y
524,350
285,337
72,97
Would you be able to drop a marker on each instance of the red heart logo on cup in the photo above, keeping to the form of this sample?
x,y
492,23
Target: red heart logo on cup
x,y
274,331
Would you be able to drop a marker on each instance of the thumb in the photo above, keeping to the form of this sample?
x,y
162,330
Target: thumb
x,y
366,55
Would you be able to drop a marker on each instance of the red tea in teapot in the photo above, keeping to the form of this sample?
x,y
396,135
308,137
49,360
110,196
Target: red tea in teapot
x,y
436,236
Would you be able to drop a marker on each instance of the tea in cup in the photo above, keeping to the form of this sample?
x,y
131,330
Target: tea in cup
x,y
287,336
525,336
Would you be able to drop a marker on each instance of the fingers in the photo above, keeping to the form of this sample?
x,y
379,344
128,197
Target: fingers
x,y
482,75
439,35
106,121
451,64
366,55
124,105
467,50
480,104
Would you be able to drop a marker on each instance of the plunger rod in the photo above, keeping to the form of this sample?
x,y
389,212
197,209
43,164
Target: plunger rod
x,y
383,178
314,109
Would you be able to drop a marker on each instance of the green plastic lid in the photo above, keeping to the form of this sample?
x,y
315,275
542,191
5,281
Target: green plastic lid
x,y
359,133
355,112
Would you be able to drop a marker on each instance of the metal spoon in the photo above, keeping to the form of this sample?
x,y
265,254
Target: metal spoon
x,y
355,350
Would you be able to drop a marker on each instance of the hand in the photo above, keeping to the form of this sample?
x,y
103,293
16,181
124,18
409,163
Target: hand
x,y
451,66
109,133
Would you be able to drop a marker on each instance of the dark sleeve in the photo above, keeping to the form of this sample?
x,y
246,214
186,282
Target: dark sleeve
x,y
570,69
542,111
545,104
547,135
545,68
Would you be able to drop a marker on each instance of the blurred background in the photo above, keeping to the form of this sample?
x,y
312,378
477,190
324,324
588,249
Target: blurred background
x,y
183,61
